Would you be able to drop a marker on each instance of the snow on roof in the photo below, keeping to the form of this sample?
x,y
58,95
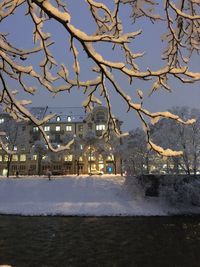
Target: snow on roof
x,y
66,114
38,112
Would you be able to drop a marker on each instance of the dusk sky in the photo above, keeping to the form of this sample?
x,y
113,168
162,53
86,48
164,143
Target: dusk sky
x,y
20,29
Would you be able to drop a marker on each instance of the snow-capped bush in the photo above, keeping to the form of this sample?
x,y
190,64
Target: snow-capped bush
x,y
175,190
187,193
133,187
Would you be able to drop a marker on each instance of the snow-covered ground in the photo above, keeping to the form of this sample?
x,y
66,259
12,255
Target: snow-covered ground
x,y
72,195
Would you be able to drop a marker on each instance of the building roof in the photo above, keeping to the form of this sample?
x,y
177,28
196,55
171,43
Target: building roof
x,y
38,112
66,114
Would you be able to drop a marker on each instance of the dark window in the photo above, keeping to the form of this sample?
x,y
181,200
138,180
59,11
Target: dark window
x,y
57,138
14,167
90,126
22,167
100,116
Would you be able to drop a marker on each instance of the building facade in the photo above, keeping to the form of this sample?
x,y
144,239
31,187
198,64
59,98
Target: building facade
x,y
89,153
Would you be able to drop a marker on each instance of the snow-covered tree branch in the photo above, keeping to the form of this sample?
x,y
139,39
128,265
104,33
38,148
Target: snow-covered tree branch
x,y
181,19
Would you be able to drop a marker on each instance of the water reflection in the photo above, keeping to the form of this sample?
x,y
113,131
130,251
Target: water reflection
x,y
121,241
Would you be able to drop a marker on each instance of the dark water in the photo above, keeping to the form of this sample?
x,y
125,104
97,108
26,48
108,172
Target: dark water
x,y
117,241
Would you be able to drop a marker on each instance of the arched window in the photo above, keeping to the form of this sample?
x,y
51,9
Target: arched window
x,y
58,118
69,118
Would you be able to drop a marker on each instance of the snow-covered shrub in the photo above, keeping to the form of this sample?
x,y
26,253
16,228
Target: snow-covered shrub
x,y
182,193
133,187
193,192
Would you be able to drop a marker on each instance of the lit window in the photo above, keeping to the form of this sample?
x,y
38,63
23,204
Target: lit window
x,y
93,167
92,158
68,158
69,118
34,157
15,158
46,128
57,128
1,158
5,157
80,128
44,157
15,148
22,167
58,119
80,158
2,120
48,137
22,157
35,129
111,158
100,127
68,128
81,147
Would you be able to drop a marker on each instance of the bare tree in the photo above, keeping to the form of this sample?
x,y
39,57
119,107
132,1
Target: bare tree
x,y
181,19
77,151
39,148
11,139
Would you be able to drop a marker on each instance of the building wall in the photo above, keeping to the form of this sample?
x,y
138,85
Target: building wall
x,y
83,155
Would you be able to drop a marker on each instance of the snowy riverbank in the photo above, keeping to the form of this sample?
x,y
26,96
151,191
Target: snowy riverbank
x,y
83,195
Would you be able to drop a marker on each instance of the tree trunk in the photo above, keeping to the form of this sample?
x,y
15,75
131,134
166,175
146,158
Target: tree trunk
x,y
121,169
147,163
115,165
195,164
8,165
78,167
39,165
90,158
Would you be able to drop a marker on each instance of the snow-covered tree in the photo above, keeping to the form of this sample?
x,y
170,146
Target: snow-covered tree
x,y
13,139
181,20
136,153
187,139
116,149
